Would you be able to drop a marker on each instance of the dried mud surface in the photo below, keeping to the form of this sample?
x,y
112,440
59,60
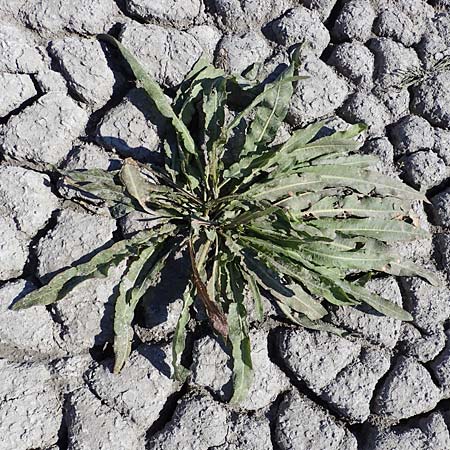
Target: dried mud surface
x,y
66,101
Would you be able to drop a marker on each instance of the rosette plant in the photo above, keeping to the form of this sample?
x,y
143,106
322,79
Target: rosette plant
x,y
301,222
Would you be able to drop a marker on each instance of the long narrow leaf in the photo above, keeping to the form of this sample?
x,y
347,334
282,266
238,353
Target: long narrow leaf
x,y
157,95
269,113
256,294
292,295
141,274
320,286
376,302
214,103
324,255
352,205
364,181
269,88
97,266
196,82
303,321
99,184
274,190
179,338
296,151
410,269
382,230
239,339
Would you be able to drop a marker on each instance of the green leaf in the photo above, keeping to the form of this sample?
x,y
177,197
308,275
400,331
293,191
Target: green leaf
x,y
270,111
256,101
356,160
376,302
142,273
256,294
214,110
274,250
81,176
364,181
410,269
300,138
382,230
214,102
353,205
157,95
271,235
301,302
179,337
324,255
239,339
337,142
304,322
289,186
261,96
199,80
97,266
184,103
316,284
295,204
257,211
157,200
155,92
110,194
298,150
100,184
242,364
201,64
291,295
137,186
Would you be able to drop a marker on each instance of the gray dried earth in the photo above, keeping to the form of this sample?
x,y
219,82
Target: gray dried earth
x,y
65,101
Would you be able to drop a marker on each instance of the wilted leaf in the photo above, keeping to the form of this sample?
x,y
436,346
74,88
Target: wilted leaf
x,y
215,315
